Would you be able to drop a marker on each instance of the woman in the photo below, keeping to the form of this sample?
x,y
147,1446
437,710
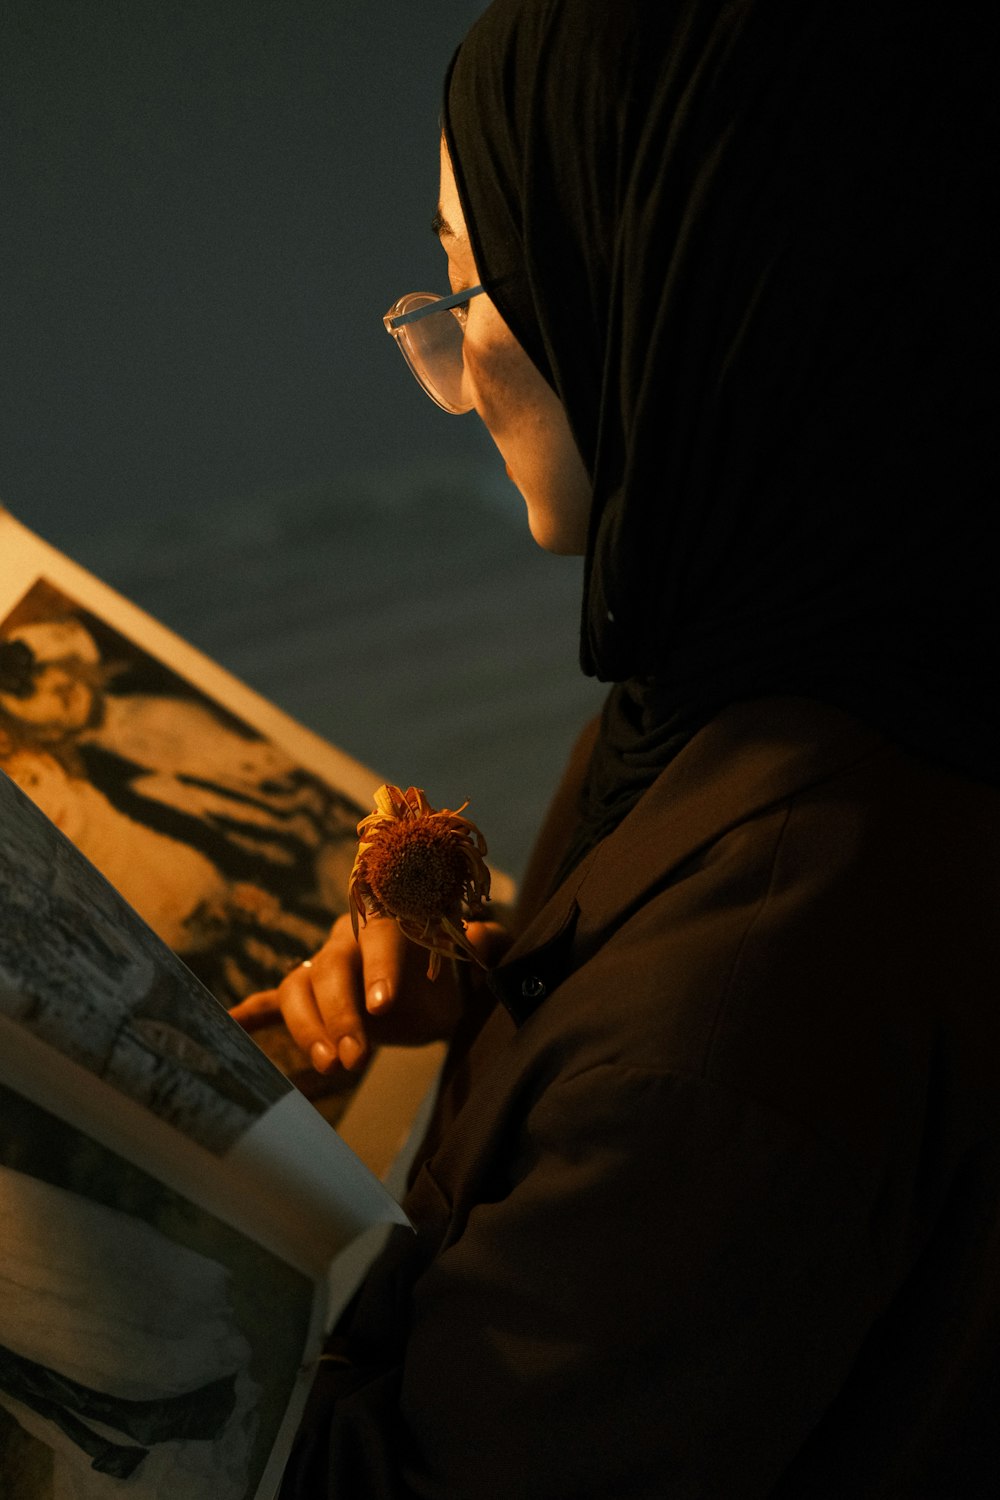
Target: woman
x,y
710,1206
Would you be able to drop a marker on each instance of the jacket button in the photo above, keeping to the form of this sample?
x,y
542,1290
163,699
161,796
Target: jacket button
x,y
532,988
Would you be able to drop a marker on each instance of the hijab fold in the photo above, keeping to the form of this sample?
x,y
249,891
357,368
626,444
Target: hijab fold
x,y
750,246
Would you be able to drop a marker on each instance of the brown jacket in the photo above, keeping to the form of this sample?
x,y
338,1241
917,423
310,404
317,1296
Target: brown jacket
x,y
712,1209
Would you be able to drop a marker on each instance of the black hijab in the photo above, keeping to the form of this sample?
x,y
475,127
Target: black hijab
x,y
750,246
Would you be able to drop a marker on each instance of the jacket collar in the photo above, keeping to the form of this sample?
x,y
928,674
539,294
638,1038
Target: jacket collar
x,y
752,755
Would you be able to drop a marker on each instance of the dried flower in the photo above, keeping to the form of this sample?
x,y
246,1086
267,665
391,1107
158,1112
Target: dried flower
x,y
423,868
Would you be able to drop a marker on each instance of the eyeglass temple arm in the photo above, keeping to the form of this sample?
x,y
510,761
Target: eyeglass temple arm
x,y
440,304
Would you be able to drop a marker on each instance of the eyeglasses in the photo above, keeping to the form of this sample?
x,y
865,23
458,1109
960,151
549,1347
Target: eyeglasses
x,y
430,330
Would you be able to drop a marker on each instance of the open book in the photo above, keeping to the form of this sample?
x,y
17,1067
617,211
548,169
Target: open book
x,y
170,1203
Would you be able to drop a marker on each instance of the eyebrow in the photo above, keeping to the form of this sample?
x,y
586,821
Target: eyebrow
x,y
440,225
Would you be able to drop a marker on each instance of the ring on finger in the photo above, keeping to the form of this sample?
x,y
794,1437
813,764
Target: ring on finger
x,y
297,964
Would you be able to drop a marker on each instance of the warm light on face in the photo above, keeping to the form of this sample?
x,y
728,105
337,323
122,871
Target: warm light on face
x,y
520,410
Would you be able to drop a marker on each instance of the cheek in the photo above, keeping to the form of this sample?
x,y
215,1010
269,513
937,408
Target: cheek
x,y
493,378
515,403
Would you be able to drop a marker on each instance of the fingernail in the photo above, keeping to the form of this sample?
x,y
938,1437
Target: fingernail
x,y
322,1056
378,995
350,1051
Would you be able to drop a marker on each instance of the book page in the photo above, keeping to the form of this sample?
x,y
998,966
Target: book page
x,y
227,841
147,1347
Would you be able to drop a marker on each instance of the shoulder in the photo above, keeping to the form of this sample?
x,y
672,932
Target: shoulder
x,y
803,921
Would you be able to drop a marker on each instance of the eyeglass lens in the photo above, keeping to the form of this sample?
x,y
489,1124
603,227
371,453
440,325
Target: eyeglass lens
x,y
433,349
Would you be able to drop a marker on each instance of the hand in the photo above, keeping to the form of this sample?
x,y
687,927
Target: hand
x,y
356,993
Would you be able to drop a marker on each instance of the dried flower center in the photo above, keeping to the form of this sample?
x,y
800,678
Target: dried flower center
x,y
415,870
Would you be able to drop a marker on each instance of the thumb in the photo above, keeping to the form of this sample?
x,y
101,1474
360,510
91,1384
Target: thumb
x,y
490,941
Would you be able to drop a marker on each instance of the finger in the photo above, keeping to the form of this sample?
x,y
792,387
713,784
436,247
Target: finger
x,y
307,1025
335,979
256,1009
385,953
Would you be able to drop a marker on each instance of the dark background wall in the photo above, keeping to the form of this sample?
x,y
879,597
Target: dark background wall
x,y
206,209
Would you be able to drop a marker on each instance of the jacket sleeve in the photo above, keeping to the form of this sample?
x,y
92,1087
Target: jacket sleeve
x,y
661,1300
